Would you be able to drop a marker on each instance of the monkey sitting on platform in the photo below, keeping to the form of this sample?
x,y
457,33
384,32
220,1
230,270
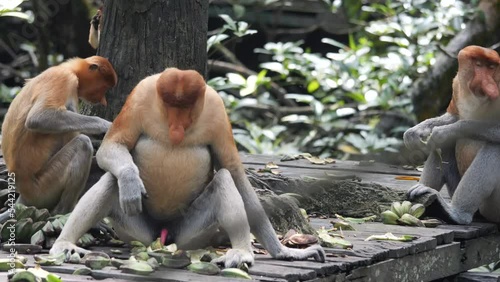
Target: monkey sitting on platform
x,y
468,136
44,141
160,154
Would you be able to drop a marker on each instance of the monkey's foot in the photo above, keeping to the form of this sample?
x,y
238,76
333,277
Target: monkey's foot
x,y
235,257
419,190
68,248
314,251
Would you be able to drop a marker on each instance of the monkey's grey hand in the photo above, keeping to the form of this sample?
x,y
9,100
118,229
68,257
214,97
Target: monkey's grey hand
x,y
419,190
131,192
68,248
443,136
415,137
314,251
235,257
101,126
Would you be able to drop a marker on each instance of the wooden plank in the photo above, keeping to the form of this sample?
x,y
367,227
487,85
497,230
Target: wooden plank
x,y
349,166
473,230
477,277
396,249
289,273
444,261
442,236
160,275
349,262
321,269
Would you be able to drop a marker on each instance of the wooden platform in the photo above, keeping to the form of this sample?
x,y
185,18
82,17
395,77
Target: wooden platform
x,y
436,253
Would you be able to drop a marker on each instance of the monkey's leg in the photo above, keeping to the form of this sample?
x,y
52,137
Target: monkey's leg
x,y
99,201
92,207
60,183
439,169
220,205
475,188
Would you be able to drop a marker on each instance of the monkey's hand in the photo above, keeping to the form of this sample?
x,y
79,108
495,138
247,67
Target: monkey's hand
x,y
103,126
235,257
444,136
314,251
131,192
418,190
415,137
66,247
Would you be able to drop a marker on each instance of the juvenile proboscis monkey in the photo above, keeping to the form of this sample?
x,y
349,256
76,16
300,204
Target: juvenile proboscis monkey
x,y
170,135
468,136
44,139
95,29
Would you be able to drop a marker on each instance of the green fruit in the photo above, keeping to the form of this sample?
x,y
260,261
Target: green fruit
x,y
431,222
410,220
82,271
405,207
137,267
417,210
23,229
235,273
389,217
5,264
38,238
396,208
23,276
206,268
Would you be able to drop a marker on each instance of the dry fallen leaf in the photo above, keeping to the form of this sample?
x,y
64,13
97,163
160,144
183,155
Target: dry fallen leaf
x,y
405,177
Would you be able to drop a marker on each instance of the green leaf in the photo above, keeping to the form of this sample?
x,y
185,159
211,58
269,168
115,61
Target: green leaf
x,y
229,21
334,43
313,86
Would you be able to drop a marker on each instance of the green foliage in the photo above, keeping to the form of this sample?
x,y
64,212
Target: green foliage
x,y
345,93
10,8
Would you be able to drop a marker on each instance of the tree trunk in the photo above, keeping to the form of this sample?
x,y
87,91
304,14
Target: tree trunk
x,y
141,38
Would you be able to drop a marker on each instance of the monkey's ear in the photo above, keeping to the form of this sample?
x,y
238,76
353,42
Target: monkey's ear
x,y
93,67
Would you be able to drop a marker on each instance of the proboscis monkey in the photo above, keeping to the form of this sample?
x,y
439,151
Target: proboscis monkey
x,y
95,29
468,135
43,136
170,135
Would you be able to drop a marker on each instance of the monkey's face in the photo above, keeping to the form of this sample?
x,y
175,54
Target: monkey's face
x,y
95,79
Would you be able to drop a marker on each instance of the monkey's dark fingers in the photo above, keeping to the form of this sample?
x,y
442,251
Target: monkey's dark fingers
x,y
235,257
418,190
317,253
104,228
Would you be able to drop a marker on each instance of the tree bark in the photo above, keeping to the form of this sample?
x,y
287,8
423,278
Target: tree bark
x,y
141,38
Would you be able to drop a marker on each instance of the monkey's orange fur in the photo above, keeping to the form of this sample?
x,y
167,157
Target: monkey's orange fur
x,y
26,152
180,162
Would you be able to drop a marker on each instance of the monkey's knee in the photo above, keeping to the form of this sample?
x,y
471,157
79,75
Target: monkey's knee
x,y
84,144
222,181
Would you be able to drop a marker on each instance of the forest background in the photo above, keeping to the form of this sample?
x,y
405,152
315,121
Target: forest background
x,y
332,78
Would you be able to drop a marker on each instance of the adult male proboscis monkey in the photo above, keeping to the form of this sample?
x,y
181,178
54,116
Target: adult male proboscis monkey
x,y
43,136
171,133
468,136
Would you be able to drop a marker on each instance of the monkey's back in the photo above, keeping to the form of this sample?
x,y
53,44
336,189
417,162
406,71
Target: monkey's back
x,y
25,151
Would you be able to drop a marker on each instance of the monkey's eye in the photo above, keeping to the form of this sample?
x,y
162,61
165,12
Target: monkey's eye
x,y
93,67
492,66
479,64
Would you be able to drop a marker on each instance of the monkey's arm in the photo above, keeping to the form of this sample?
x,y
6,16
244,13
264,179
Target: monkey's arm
x,y
226,155
50,120
479,130
114,156
414,137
